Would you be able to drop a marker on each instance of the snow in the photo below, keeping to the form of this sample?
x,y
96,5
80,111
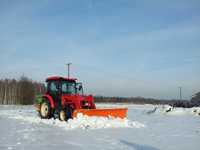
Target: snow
x,y
82,121
169,110
147,127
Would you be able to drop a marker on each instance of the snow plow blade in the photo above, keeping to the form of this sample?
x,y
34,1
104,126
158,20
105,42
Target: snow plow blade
x,y
103,112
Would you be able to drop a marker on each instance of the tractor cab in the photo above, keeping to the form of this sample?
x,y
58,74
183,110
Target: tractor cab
x,y
59,86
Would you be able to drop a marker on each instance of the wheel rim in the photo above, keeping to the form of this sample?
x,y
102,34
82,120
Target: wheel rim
x,y
62,116
44,110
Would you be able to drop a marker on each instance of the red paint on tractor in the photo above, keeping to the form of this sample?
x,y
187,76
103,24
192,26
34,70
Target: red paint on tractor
x,y
50,99
60,78
78,101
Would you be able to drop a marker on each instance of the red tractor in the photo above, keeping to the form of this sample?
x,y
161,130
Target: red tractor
x,y
64,99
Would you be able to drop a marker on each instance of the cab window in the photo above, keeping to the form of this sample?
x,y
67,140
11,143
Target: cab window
x,y
68,87
53,87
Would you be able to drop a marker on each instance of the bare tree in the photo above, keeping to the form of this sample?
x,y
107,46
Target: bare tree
x,y
21,91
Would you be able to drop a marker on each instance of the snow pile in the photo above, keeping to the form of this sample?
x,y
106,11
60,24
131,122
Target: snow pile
x,y
84,122
169,110
195,111
81,121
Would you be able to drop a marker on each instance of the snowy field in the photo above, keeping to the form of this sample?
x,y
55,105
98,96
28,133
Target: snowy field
x,y
147,127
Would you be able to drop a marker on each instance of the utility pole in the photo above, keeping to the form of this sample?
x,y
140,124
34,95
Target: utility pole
x,y
180,92
68,68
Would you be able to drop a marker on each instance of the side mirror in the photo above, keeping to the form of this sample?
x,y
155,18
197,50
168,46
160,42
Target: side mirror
x,y
80,87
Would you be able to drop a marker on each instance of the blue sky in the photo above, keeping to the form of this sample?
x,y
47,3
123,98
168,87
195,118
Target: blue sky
x,y
117,47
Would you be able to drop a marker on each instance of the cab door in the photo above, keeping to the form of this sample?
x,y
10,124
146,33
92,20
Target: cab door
x,y
54,92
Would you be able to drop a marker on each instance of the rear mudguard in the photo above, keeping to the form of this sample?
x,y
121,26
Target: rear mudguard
x,y
50,99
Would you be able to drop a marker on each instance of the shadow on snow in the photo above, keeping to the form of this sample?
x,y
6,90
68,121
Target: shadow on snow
x,y
138,146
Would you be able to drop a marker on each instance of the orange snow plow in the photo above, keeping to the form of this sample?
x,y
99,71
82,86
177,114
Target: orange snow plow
x,y
103,112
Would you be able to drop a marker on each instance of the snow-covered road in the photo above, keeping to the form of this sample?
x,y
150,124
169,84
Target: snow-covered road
x,y
147,128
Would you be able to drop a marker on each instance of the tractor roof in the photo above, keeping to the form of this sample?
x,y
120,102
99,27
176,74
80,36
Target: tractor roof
x,y
53,78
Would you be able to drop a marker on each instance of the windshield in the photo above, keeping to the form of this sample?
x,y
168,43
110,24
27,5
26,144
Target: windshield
x,y
68,87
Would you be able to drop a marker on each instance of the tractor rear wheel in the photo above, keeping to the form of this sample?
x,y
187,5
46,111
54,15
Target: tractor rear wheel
x,y
45,110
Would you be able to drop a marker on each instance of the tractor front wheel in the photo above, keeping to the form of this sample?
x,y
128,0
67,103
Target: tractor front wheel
x,y
66,114
45,110
62,115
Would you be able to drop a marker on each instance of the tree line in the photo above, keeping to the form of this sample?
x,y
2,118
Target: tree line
x,y
22,91
194,102
133,100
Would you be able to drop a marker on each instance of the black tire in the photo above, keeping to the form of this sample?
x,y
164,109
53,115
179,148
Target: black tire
x,y
45,110
68,112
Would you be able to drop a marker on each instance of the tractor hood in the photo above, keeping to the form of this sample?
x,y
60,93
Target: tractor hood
x,y
79,101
